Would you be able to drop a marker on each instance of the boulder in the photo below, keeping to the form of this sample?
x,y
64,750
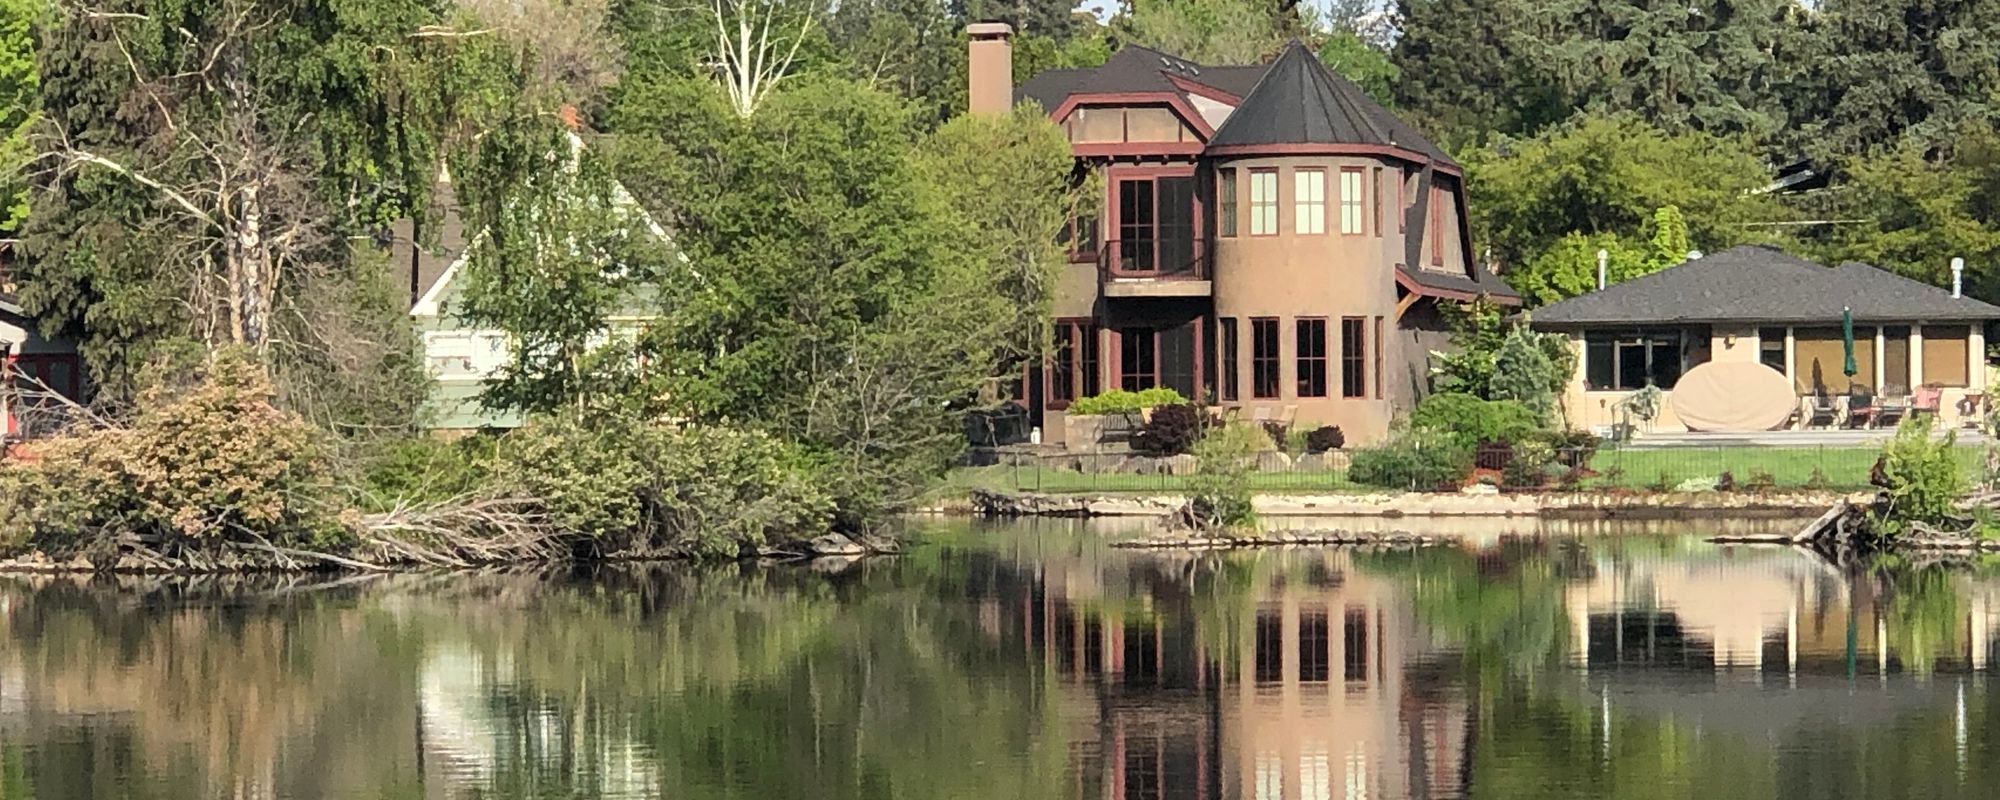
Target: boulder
x,y
1328,461
1182,464
1274,461
834,544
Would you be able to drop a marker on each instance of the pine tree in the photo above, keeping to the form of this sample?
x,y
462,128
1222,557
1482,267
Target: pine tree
x,y
1523,373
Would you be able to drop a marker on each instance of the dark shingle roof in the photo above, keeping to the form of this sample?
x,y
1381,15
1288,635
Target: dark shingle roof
x,y
1135,69
418,268
1300,101
1758,284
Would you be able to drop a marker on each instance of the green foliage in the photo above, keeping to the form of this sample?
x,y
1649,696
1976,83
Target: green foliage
x,y
1612,174
19,85
1921,476
1210,31
1469,421
1220,490
1120,401
1522,373
1900,69
1478,329
1353,58
559,252
1924,211
619,486
1417,459
427,470
216,462
1325,438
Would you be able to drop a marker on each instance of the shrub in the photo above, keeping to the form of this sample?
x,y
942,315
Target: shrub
x,y
1469,420
427,470
624,486
1221,497
1172,430
1533,465
214,462
1760,481
1325,438
1413,460
1522,372
1921,477
1119,401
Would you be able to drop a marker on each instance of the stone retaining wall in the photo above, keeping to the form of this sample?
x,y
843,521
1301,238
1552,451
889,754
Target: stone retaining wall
x,y
1415,504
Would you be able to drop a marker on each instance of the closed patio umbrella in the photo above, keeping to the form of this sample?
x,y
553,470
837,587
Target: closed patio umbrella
x,y
1847,341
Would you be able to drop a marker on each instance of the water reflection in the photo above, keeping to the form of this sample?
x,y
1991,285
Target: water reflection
x,y
1535,660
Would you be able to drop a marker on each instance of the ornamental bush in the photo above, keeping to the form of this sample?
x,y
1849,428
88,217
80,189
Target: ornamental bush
x,y
628,487
1470,421
214,462
1325,438
1422,460
1921,476
1221,496
1172,430
1120,401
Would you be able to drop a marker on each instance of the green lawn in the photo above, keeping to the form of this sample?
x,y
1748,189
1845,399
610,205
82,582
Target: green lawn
x,y
1788,467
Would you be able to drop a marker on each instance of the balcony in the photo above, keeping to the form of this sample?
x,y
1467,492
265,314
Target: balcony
x,y
1154,268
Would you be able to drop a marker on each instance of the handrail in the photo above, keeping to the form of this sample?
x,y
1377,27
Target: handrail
x,y
1144,259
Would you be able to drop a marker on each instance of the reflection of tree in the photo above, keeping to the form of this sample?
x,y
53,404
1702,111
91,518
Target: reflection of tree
x,y
1502,610
1924,610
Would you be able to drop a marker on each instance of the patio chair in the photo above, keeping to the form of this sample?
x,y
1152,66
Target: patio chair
x,y
1892,406
1823,411
1972,410
1860,407
1927,399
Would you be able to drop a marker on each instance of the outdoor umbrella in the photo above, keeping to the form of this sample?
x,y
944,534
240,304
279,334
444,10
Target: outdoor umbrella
x,y
1847,341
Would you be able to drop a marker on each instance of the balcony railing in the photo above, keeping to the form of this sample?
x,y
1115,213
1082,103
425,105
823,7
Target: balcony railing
x,y
1154,259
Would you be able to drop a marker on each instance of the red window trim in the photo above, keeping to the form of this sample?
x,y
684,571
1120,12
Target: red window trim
x,y
1378,358
1229,383
1277,219
1085,339
1359,365
1228,205
1376,186
1402,201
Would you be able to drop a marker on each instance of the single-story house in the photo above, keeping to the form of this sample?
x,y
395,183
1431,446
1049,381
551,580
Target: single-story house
x,y
1758,304
34,364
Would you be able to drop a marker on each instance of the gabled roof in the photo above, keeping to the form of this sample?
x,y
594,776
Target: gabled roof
x,y
1301,102
1132,70
1759,284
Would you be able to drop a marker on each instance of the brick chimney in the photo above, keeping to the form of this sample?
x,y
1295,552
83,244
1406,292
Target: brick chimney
x,y
991,68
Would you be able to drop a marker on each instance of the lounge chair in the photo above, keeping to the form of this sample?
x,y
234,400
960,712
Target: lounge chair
x,y
1824,412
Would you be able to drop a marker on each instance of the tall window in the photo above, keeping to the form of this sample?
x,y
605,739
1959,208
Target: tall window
x,y
1309,201
1263,202
1138,359
1353,357
1350,200
1079,232
1311,354
1073,370
1270,656
1227,336
1225,197
1354,649
1629,361
1264,358
1314,645
1437,228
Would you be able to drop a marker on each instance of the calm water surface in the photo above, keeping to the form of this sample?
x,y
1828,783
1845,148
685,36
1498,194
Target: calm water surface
x,y
1029,661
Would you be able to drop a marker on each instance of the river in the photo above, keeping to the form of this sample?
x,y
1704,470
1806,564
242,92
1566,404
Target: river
x,y
1028,660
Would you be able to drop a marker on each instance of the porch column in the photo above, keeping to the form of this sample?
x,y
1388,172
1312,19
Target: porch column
x,y
1975,358
1881,349
1791,357
1916,355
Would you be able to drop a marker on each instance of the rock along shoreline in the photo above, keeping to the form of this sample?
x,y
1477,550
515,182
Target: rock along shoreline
x,y
1390,505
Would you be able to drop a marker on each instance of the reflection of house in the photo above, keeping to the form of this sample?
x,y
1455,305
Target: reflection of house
x,y
1268,236
1308,699
1761,305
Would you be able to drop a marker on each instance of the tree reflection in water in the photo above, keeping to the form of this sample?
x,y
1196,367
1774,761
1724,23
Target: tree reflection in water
x,y
1024,661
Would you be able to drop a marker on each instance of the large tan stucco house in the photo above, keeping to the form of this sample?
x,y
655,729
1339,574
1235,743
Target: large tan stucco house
x,y
1758,304
1269,238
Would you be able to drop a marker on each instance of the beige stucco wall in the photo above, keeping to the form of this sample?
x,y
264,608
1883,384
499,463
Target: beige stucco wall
x,y
1291,276
1590,410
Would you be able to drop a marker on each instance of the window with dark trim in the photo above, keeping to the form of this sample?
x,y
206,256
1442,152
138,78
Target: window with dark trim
x,y
1226,337
1353,357
1354,650
1771,348
1079,234
1225,201
1073,368
1631,361
1315,646
1311,354
1264,357
1138,359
